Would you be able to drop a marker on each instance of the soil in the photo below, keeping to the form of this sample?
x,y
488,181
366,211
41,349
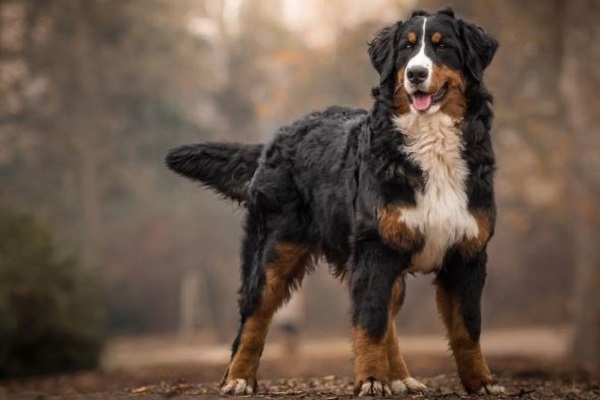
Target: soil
x,y
321,371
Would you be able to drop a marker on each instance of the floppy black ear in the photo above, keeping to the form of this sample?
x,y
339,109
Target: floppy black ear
x,y
448,12
480,48
381,48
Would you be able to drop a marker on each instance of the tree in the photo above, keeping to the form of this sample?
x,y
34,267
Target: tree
x,y
51,306
581,85
94,94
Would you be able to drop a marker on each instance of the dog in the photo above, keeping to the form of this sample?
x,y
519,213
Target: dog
x,y
402,188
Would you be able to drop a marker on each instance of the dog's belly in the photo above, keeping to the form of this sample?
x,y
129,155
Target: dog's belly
x,y
441,213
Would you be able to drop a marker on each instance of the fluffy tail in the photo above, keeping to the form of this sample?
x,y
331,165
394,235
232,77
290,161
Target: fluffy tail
x,y
227,168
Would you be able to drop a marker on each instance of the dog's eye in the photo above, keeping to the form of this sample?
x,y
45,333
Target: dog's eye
x,y
408,46
442,46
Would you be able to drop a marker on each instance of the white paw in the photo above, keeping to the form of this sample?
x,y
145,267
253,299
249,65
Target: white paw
x,y
398,387
492,389
237,387
373,387
414,386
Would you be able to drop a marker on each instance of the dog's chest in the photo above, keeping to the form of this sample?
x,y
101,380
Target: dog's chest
x,y
441,213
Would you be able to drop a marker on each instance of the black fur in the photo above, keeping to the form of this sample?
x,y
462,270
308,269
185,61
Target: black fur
x,y
370,287
480,49
319,182
465,279
382,51
224,167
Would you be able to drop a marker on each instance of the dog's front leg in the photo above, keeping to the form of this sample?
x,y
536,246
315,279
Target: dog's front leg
x,y
400,380
373,272
459,286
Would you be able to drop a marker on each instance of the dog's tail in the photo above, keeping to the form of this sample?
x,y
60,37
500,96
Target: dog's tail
x,y
227,168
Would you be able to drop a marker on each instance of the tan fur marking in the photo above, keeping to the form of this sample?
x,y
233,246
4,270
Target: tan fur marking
x,y
396,232
400,96
397,293
370,358
245,361
436,37
397,366
454,103
472,245
472,368
290,262
412,37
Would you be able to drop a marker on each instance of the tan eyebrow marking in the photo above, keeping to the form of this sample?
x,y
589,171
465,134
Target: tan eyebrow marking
x,y
436,37
412,37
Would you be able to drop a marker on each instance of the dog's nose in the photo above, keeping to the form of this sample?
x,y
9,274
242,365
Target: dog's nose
x,y
417,75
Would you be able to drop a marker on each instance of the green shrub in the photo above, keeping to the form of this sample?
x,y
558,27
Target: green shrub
x,y
51,307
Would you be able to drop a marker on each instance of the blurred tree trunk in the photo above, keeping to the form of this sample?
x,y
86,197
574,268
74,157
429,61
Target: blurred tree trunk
x,y
87,142
581,85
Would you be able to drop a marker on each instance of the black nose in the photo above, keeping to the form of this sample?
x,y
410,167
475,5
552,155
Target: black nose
x,y
417,75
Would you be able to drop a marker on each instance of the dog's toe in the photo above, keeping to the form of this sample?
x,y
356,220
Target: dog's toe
x,y
492,389
373,387
237,387
414,386
398,387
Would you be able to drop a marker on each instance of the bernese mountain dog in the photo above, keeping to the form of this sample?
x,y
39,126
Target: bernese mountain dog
x,y
402,188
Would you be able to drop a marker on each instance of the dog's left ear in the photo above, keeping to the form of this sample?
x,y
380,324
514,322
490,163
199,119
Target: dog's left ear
x,y
381,49
480,48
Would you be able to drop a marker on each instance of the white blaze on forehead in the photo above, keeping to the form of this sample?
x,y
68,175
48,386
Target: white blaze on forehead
x,y
420,60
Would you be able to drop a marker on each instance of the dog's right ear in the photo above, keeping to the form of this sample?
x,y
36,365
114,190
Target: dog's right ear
x,y
382,48
480,48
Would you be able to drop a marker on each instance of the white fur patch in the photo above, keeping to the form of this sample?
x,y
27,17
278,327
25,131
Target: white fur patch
x,y
398,387
374,388
408,385
433,141
414,386
492,389
420,59
237,387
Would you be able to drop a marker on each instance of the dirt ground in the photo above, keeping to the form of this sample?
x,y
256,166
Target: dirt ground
x,y
320,372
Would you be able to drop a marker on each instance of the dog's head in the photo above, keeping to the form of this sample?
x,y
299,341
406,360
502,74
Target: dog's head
x,y
427,62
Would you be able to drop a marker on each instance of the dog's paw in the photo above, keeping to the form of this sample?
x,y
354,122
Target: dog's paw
x,y
373,387
414,386
238,387
408,385
492,389
397,387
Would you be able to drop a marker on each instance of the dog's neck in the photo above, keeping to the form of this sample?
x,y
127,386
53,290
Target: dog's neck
x,y
413,124
430,138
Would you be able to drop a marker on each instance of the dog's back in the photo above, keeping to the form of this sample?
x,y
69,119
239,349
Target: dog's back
x,y
305,175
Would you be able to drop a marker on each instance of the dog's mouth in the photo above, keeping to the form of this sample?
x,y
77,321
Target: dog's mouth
x,y
422,101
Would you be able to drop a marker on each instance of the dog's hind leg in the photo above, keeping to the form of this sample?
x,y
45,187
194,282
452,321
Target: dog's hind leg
x,y
400,379
459,287
270,272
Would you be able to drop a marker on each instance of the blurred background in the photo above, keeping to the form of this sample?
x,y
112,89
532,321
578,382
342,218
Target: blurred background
x,y
102,249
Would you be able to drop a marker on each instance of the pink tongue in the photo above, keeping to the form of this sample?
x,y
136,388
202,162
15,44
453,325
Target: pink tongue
x,y
421,101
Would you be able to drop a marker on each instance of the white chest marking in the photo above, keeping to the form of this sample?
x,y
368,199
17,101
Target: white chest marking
x,y
441,214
